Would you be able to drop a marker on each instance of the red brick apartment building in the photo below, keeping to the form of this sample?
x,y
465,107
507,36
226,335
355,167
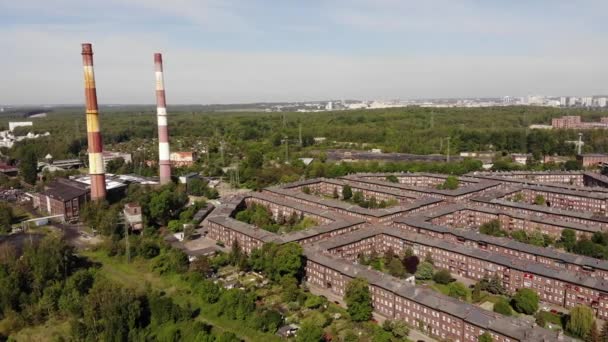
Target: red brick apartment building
x,y
559,287
437,315
566,122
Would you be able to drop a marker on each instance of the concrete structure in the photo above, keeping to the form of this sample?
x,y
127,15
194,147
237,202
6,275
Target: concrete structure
x,y
520,158
354,156
112,155
180,159
132,214
164,163
62,197
96,166
592,159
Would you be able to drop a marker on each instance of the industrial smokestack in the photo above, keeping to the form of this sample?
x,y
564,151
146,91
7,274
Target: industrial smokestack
x,y
96,167
164,164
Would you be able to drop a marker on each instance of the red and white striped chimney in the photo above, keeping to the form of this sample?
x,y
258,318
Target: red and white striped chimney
x,y
164,164
96,167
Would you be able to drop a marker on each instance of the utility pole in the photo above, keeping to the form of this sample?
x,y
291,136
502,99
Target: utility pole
x,y
207,147
300,134
580,143
238,178
128,249
448,155
222,151
286,149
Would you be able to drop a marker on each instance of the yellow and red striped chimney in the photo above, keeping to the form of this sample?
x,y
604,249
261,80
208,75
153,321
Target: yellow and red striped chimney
x,y
164,164
96,167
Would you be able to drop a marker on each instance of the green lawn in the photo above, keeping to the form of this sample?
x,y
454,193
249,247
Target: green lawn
x,y
138,275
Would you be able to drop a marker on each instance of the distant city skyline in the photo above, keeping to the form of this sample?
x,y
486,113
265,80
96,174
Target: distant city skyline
x,y
237,51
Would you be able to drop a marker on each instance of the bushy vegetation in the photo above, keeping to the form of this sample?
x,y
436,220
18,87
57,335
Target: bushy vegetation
x,y
6,218
200,187
260,216
492,228
358,300
450,183
391,263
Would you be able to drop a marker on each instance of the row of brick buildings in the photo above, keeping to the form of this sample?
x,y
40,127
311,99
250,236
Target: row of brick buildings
x,y
442,223
554,285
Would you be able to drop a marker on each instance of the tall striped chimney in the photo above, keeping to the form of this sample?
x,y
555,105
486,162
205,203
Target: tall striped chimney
x,y
96,167
164,165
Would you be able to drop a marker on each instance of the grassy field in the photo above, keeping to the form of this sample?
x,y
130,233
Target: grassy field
x,y
52,330
139,276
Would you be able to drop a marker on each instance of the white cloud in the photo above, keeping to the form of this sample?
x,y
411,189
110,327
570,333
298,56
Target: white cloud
x,y
44,63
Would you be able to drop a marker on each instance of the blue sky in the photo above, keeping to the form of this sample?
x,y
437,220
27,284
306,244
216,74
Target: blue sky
x,y
227,51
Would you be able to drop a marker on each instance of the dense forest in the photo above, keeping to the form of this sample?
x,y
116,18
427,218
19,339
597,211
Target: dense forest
x,y
259,143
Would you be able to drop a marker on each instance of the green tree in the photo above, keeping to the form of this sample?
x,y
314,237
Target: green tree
x,y
358,197
110,312
6,218
395,268
503,307
568,239
581,321
392,179
425,271
115,165
347,192
358,300
476,293
458,290
450,183
209,291
255,159
540,200
485,337
493,285
309,333
197,187
492,228
540,320
28,166
442,276
525,301
572,165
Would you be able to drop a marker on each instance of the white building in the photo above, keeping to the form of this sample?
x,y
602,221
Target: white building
x,y
563,101
572,101
602,101
587,101
13,125
329,106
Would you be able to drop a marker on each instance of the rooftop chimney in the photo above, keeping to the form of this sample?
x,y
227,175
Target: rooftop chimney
x,y
96,167
164,164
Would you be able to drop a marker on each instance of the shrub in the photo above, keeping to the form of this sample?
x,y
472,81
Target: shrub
x,y
443,276
525,301
503,307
